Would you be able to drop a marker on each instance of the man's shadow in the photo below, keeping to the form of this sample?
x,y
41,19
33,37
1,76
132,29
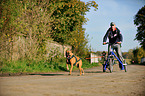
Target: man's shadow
x,y
94,72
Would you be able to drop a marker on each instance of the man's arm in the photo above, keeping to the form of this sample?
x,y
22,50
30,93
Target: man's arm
x,y
105,37
120,35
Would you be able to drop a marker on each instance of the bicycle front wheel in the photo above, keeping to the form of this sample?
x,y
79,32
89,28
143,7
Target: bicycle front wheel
x,y
111,65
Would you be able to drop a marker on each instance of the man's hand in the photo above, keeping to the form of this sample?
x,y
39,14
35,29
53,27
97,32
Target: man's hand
x,y
119,42
104,43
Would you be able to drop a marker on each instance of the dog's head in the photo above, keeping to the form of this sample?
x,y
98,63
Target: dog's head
x,y
70,53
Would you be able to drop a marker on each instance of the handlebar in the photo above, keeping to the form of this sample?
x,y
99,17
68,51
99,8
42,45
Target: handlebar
x,y
104,43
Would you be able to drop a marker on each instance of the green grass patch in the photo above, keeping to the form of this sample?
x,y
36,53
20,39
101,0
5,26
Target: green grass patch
x,y
26,66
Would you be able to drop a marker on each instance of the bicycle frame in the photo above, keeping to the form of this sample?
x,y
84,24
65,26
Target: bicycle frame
x,y
112,53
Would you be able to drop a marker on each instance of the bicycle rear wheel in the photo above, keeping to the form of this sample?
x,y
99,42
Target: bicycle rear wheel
x,y
111,65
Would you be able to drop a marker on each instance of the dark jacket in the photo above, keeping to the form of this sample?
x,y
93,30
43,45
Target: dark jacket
x,y
114,36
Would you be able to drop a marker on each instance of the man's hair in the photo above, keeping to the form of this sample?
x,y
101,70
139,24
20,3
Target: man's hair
x,y
112,24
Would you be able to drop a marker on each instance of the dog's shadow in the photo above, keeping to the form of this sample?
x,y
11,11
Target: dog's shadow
x,y
48,74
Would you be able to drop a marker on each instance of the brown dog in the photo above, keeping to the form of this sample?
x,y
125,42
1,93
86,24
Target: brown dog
x,y
74,61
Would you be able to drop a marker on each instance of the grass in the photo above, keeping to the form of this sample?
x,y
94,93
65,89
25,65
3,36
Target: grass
x,y
26,66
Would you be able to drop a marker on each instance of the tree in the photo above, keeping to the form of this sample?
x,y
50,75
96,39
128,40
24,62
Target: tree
x,y
27,25
66,23
135,51
130,54
140,23
138,54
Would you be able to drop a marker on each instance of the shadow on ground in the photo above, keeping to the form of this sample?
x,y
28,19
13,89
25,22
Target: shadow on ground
x,y
48,74
93,72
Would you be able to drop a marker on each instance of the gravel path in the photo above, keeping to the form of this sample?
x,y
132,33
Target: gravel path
x,y
93,83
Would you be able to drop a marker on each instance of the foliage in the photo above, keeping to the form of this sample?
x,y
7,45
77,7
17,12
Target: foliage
x,y
26,26
25,23
128,55
138,54
139,21
67,21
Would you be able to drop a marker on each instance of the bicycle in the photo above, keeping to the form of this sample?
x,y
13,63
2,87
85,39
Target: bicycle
x,y
110,62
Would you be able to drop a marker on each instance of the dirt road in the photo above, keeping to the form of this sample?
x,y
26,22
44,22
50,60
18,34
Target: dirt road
x,y
93,83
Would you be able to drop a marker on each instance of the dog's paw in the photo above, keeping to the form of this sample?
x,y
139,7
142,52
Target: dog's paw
x,y
81,74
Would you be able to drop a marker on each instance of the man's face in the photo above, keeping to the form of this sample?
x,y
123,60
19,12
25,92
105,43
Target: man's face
x,y
113,27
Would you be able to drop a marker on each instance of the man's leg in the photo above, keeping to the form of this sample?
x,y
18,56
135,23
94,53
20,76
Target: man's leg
x,y
109,48
119,54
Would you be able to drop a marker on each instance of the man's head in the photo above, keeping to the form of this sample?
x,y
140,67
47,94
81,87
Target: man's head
x,y
70,53
112,24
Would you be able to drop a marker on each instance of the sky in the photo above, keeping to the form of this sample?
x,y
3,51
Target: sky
x,y
122,13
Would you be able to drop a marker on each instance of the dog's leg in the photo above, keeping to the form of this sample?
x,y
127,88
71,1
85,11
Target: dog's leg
x,y
67,67
82,71
80,68
71,69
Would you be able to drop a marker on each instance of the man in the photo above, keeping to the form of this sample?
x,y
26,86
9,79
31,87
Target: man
x,y
115,39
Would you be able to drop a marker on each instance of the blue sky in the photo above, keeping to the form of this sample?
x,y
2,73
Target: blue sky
x,y
121,12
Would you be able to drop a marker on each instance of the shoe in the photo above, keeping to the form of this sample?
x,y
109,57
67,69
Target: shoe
x,y
120,66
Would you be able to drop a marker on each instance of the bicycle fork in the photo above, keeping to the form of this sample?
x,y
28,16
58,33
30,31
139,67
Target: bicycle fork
x,y
119,61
